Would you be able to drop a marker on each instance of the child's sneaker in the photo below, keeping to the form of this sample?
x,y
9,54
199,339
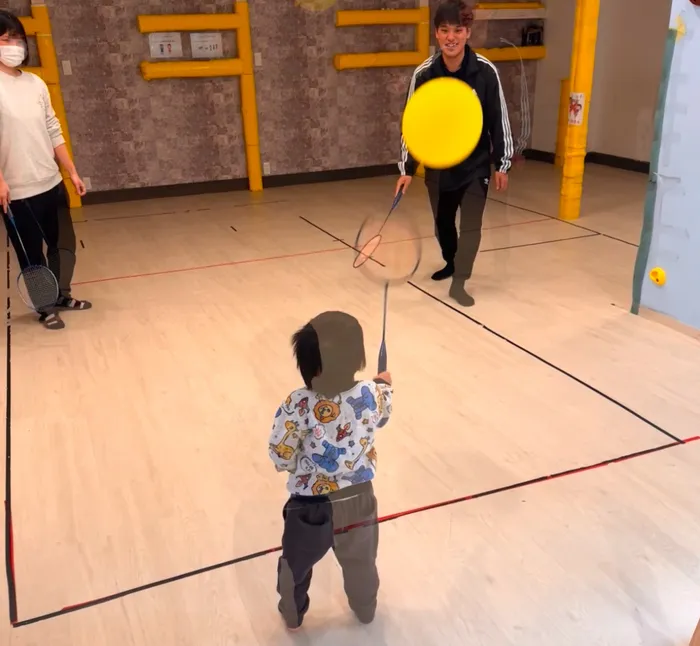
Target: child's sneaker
x,y
365,615
292,628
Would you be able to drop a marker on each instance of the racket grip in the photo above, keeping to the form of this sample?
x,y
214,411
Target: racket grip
x,y
382,363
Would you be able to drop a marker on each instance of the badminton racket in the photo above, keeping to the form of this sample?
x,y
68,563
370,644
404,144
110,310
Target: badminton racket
x,y
389,253
36,284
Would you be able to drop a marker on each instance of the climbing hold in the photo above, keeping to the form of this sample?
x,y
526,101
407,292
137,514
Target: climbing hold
x,y
658,276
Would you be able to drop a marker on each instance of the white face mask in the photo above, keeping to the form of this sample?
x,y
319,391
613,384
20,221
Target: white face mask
x,y
12,55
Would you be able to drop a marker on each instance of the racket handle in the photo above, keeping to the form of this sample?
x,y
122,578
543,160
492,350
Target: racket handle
x,y
382,363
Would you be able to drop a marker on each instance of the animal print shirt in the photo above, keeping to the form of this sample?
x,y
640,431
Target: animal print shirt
x,y
327,445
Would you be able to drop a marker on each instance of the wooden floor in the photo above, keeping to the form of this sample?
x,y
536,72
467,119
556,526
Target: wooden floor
x,y
139,432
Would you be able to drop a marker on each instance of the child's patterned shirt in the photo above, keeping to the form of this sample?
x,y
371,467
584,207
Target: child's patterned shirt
x,y
328,444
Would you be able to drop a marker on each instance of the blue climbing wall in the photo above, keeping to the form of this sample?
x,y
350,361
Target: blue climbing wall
x,y
671,232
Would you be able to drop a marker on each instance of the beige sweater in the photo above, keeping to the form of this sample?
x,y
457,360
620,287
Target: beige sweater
x,y
29,133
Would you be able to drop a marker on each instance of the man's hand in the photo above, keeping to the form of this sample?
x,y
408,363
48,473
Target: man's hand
x,y
500,180
403,184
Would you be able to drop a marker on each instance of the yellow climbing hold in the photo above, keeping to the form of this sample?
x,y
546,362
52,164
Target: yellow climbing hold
x,y
658,276
680,27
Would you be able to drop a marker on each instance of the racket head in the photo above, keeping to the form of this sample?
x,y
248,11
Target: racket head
x,y
388,249
38,287
366,252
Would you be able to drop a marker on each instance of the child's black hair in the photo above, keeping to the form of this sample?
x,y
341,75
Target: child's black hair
x,y
307,353
455,13
12,25
333,339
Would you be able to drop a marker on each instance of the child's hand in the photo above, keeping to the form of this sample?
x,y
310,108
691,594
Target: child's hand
x,y
384,376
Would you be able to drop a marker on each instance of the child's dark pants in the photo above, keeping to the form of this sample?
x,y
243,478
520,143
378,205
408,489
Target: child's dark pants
x,y
310,526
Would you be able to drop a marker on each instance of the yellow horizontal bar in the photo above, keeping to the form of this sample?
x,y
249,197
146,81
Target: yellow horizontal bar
x,y
408,59
503,54
505,6
191,69
356,18
189,22
380,59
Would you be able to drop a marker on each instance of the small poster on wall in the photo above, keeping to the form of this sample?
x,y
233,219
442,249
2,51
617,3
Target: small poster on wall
x,y
207,45
577,104
165,45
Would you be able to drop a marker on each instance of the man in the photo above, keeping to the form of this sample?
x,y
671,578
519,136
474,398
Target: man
x,y
464,186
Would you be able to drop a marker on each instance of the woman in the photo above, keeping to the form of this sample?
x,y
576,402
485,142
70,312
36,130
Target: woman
x,y
31,142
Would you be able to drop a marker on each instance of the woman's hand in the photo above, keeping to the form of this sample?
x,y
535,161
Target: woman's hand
x,y
4,195
78,183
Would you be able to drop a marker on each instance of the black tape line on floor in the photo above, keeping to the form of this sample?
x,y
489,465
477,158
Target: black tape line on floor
x,y
9,539
554,217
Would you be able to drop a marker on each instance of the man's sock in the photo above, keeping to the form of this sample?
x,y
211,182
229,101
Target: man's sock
x,y
459,294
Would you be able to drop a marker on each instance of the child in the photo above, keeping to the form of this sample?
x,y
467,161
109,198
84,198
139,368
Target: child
x,y
323,435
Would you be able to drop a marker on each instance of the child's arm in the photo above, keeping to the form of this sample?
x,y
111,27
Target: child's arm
x,y
285,438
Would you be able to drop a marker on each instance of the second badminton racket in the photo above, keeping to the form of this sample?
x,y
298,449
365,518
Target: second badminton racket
x,y
36,284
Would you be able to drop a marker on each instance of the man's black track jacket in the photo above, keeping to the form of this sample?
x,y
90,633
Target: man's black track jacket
x,y
496,143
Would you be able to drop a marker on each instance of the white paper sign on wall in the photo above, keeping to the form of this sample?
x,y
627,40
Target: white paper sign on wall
x,y
207,45
165,45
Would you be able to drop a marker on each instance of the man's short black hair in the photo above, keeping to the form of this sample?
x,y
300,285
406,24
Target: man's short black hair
x,y
455,13
12,26
332,341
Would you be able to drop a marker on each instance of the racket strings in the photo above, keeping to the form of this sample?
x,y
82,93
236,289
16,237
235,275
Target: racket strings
x,y
38,287
367,251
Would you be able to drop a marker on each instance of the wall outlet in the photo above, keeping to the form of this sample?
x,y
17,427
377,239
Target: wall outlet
x,y
257,57
67,68
266,168
88,183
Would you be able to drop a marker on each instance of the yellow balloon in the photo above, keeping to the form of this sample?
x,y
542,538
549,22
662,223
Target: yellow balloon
x,y
442,122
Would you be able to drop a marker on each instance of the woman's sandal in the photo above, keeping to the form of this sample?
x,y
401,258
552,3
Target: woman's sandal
x,y
66,303
51,321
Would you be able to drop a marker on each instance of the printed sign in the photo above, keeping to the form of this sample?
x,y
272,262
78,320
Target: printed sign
x,y
207,45
577,104
165,45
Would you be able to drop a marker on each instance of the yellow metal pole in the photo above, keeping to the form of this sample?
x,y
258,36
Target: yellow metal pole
x,y
40,25
564,92
191,69
576,39
423,47
249,106
581,78
241,67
